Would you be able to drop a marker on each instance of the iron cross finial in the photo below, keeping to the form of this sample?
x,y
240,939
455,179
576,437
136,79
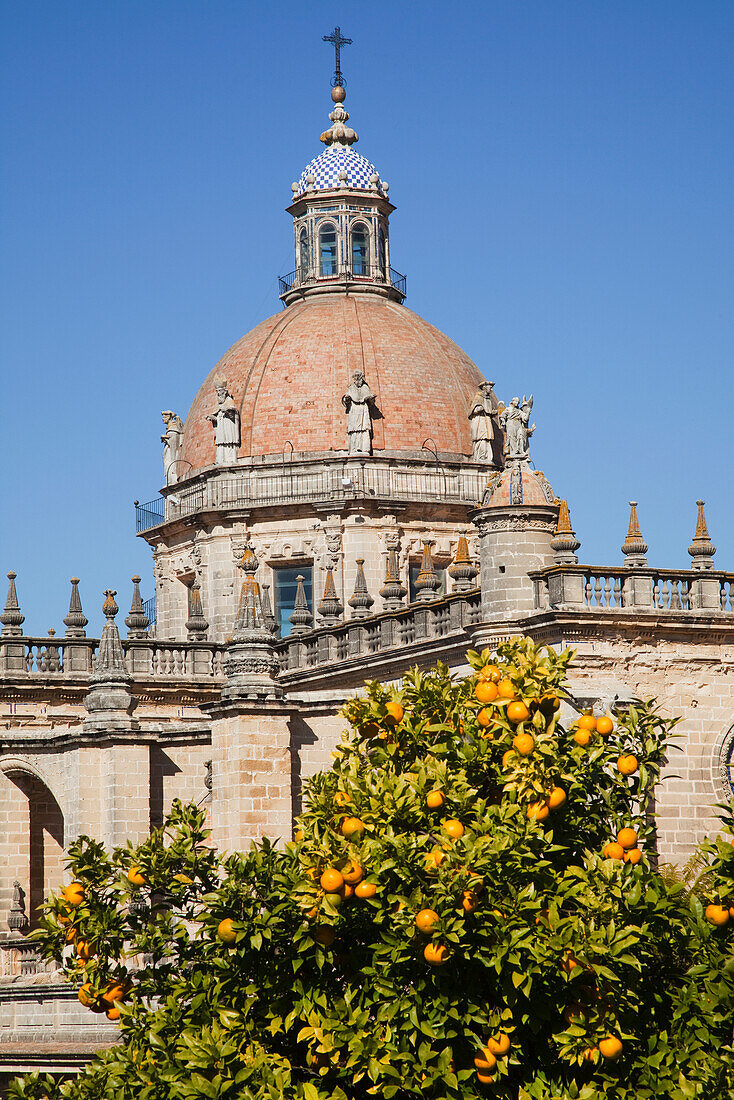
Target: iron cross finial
x,y
338,40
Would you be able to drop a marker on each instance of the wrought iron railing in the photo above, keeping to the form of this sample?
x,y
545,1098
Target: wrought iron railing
x,y
149,609
302,277
150,514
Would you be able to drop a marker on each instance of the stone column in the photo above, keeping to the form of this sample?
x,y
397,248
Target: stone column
x,y
251,739
513,541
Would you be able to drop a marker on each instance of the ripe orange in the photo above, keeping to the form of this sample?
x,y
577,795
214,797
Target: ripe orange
x,y
610,1048
84,950
582,737
435,954
633,855
394,713
74,893
484,1078
627,838
506,689
612,850
522,743
499,1044
352,828
490,672
298,836
604,725
453,828
365,889
352,873
347,892
586,722
537,811
331,880
484,718
135,876
70,935
324,934
485,691
627,764
590,1054
435,799
114,992
312,873
426,921
341,799
718,915
468,901
569,962
433,859
731,910
226,932
113,1013
508,757
517,712
86,996
556,798
486,1060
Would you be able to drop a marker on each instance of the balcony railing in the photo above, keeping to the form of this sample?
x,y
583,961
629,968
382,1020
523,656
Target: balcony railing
x,y
367,274
617,588
250,487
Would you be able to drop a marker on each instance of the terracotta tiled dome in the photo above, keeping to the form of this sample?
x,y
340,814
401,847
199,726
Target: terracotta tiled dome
x,y
288,375
518,484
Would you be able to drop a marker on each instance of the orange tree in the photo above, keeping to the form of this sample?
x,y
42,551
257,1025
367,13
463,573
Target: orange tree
x,y
470,907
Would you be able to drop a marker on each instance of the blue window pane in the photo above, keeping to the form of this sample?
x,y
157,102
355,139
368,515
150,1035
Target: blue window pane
x,y
285,585
327,250
360,250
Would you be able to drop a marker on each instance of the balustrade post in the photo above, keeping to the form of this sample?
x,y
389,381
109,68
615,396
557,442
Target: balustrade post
x,y
637,589
566,587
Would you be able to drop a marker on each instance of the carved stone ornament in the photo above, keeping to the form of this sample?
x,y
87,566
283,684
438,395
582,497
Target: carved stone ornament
x,y
515,422
481,411
235,665
226,423
359,401
517,521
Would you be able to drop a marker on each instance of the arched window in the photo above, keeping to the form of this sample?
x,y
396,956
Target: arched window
x,y
304,259
327,249
382,253
360,250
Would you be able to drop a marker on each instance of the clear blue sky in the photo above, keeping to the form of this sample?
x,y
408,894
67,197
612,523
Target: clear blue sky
x,y
563,173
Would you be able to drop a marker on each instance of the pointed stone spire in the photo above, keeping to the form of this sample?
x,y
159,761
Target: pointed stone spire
x,y
634,546
17,920
462,569
268,616
301,618
137,622
250,664
360,601
393,590
330,607
427,582
701,549
196,624
76,620
564,542
11,618
109,700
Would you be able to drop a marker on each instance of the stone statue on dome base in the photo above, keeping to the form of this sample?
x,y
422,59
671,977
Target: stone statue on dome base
x,y
226,421
515,421
482,428
171,441
359,401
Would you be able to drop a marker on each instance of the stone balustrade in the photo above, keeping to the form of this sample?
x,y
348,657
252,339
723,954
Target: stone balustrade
x,y
75,657
572,587
388,630
337,481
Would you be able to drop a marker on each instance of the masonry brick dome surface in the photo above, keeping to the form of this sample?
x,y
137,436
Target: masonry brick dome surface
x,y
288,375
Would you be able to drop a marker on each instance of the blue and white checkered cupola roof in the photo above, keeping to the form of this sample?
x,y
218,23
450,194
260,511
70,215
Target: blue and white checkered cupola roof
x,y
325,169
339,166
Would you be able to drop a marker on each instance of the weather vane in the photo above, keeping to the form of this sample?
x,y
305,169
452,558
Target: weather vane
x,y
338,40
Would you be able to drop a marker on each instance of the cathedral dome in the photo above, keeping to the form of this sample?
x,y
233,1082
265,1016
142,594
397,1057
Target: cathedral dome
x,y
336,167
287,377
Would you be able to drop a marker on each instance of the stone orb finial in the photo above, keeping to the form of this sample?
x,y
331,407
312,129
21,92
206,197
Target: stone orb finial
x,y
385,186
338,94
343,176
294,188
310,180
